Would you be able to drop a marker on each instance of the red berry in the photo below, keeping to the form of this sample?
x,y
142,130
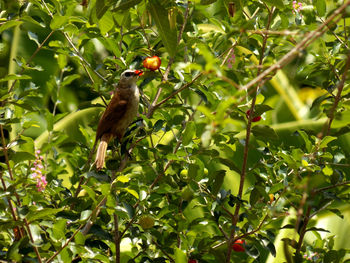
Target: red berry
x,y
139,72
255,119
152,63
192,261
238,245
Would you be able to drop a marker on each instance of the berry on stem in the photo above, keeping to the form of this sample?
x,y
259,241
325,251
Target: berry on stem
x,y
254,119
238,245
152,63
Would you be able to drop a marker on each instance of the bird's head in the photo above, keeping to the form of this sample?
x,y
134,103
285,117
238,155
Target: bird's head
x,y
129,77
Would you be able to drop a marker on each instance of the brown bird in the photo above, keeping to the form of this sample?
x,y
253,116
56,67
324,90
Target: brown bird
x,y
119,113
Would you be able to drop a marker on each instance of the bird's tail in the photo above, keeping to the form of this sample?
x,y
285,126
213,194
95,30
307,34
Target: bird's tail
x,y
101,152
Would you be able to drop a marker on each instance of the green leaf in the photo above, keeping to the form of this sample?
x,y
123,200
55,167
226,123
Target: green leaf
x,y
85,215
321,7
278,3
264,132
325,141
68,79
271,248
126,4
14,77
158,125
102,7
337,212
193,170
58,230
308,144
254,196
42,213
58,21
9,24
34,37
218,181
18,157
106,23
180,256
260,109
229,163
327,170
317,229
132,192
168,35
79,239
123,178
253,252
189,132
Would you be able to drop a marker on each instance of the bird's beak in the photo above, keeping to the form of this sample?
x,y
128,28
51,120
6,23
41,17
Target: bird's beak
x,y
138,72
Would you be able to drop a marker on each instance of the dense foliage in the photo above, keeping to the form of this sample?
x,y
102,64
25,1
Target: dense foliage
x,y
240,152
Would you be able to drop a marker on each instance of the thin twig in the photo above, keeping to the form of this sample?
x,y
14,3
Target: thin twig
x,y
76,232
31,58
116,239
337,99
273,32
335,35
330,187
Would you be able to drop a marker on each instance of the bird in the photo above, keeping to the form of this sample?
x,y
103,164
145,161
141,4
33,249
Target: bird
x,y
118,115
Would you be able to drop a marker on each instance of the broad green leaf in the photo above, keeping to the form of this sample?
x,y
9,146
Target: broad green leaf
x,y
189,132
106,23
252,251
230,163
325,141
193,170
260,109
168,35
321,7
271,248
42,214
158,125
308,144
180,256
36,233
337,212
101,7
123,178
34,37
126,4
58,230
14,77
278,3
85,215
327,170
18,157
264,132
68,79
132,192
9,24
58,21
90,192
79,239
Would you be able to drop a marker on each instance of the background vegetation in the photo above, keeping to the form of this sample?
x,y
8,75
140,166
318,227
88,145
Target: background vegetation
x,y
194,173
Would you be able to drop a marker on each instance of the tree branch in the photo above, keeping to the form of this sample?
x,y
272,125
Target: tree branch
x,y
246,146
301,46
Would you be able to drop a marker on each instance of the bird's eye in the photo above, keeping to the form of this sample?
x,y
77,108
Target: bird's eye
x,y
128,74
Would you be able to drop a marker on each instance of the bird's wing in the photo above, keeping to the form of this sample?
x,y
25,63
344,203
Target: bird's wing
x,y
113,113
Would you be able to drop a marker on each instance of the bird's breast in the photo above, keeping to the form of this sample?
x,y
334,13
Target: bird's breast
x,y
130,112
